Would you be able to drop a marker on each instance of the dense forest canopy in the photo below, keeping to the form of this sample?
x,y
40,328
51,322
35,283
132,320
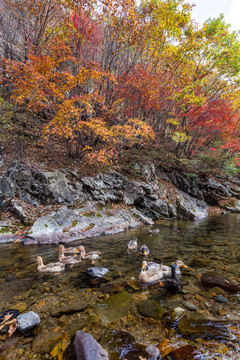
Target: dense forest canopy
x,y
108,76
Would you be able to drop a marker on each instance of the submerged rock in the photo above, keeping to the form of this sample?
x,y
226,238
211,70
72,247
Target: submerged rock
x,y
69,309
150,308
122,345
97,272
87,348
209,280
200,262
187,352
205,328
114,308
154,352
175,314
27,321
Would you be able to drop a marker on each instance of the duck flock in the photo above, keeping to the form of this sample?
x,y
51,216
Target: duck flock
x,y
151,272
76,256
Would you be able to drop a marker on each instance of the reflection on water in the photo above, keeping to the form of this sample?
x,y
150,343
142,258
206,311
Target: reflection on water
x,y
211,244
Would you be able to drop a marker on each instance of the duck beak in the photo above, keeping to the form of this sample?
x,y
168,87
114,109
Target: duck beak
x,y
143,266
144,253
92,262
185,266
160,283
76,250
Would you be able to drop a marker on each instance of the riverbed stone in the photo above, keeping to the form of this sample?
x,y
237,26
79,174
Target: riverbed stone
x,y
200,262
187,352
27,321
97,272
150,308
87,348
209,280
121,343
69,309
190,306
205,328
154,352
175,314
114,308
221,299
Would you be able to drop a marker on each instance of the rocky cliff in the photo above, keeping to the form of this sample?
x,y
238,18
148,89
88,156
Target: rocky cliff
x,y
61,206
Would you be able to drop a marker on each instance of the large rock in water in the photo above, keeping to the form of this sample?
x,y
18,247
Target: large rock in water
x,y
87,348
27,321
67,225
210,280
114,308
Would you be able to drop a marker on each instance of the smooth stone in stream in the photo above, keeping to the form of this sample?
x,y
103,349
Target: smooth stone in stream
x,y
114,308
187,352
69,309
122,345
190,306
150,308
27,321
97,272
221,299
205,328
154,352
209,280
87,348
200,262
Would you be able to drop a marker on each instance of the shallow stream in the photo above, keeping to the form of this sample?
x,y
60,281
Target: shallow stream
x,y
110,310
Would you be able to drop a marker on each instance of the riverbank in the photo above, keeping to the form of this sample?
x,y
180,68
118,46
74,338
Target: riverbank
x,y
45,207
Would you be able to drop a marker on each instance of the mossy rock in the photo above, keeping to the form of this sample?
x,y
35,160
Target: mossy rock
x,y
200,262
114,308
150,308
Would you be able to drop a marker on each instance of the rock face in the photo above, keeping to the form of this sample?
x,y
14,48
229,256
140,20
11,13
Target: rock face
x,y
27,321
87,348
164,195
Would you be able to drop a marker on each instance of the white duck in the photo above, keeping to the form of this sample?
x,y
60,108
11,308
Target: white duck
x,y
132,245
51,267
92,255
150,273
70,250
68,259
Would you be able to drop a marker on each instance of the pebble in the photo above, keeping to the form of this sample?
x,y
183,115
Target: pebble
x,y
221,299
190,306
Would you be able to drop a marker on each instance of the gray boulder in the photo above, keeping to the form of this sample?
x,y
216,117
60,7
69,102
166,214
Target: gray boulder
x,y
87,348
97,272
27,321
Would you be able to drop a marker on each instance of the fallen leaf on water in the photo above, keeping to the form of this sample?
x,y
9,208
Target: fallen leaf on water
x,y
12,328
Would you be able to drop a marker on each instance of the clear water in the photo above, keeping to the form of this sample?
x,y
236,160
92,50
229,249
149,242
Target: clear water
x,y
215,238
